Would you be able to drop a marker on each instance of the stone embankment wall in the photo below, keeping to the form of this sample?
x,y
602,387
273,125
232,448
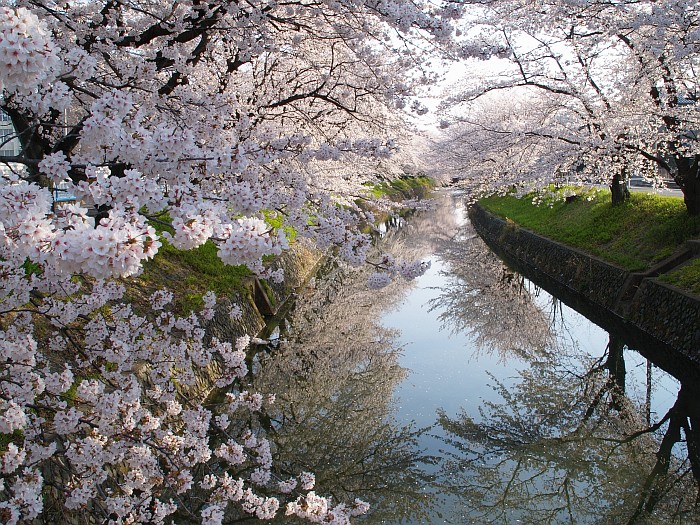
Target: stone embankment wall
x,y
601,282
651,315
672,315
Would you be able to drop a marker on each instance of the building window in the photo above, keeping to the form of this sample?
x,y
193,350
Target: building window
x,y
7,149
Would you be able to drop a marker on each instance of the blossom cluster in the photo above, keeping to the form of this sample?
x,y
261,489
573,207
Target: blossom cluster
x,y
27,53
212,125
134,446
389,267
317,509
247,241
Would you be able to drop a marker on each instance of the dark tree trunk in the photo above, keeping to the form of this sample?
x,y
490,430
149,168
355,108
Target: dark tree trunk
x,y
693,444
619,189
656,483
617,370
684,415
688,178
616,361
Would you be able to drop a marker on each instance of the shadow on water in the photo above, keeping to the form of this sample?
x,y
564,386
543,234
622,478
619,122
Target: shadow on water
x,y
567,442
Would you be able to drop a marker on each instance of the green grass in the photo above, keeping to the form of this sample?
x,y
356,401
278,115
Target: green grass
x,y
276,221
5,439
189,274
406,187
634,235
686,277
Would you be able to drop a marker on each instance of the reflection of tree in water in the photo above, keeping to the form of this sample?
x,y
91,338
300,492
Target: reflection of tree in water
x,y
567,446
428,231
660,483
334,377
485,299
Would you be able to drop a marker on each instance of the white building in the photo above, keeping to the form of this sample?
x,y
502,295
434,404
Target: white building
x,y
9,143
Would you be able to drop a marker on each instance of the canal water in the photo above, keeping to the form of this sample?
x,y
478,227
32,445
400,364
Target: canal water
x,y
471,396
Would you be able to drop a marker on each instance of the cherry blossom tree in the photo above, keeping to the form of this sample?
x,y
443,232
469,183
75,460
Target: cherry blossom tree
x,y
615,90
208,117
507,142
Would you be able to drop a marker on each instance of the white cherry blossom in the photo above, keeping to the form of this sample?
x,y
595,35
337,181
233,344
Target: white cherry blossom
x,y
230,124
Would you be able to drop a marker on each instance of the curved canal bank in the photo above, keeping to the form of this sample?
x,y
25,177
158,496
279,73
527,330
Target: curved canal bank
x,y
469,395
465,396
659,320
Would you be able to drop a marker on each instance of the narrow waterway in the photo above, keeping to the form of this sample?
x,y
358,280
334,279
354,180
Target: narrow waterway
x,y
471,396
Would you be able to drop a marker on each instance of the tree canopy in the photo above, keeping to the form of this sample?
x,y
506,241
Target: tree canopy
x,y
196,122
216,122
587,90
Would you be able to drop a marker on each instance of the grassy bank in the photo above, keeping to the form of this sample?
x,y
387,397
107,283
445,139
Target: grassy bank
x,y
189,274
634,235
686,277
403,188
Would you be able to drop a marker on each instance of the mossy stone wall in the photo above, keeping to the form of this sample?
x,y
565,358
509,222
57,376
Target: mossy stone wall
x,y
659,320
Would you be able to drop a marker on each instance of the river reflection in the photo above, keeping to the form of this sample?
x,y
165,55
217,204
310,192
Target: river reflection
x,y
566,441
566,446
472,396
484,299
334,369
333,411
